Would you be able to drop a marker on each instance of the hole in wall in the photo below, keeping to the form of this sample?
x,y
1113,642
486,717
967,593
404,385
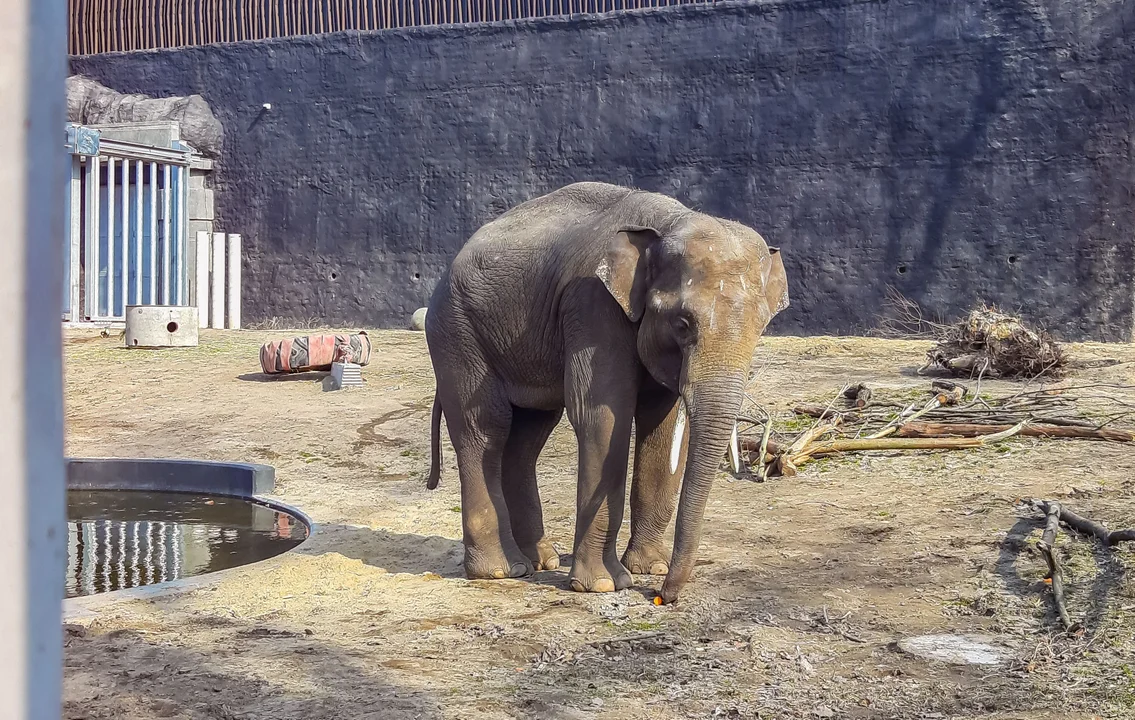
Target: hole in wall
x,y
902,269
135,341
417,276
1012,259
334,275
171,327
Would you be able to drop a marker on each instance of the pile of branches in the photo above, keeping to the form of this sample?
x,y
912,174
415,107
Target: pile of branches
x,y
952,417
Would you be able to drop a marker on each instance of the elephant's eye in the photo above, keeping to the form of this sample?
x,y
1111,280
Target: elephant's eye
x,y
683,325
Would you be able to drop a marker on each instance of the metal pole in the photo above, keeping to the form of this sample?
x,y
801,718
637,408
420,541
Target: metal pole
x,y
94,172
166,189
110,165
33,563
234,283
182,236
124,289
138,180
153,244
76,234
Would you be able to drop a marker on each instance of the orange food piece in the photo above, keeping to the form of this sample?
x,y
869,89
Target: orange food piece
x,y
657,599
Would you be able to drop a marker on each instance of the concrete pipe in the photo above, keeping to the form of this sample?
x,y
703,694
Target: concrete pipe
x,y
154,326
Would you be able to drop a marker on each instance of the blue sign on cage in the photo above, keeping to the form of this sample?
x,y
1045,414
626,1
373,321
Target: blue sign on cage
x,y
82,140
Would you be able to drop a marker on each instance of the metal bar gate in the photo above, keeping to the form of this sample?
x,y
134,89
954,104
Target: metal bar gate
x,y
127,227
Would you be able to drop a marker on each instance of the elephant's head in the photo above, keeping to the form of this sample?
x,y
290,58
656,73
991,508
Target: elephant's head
x,y
702,292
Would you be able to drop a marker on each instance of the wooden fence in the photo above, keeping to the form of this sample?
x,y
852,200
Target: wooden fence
x,y
99,26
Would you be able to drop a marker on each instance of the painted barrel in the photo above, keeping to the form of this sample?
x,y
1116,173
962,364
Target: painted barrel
x,y
314,352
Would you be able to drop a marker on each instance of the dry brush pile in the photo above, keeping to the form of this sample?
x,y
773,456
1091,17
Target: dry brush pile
x,y
949,416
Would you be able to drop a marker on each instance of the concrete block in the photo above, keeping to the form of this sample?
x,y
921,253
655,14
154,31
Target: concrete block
x,y
200,205
154,326
161,134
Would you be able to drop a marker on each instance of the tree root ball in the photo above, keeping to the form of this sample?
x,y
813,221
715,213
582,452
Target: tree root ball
x,y
991,343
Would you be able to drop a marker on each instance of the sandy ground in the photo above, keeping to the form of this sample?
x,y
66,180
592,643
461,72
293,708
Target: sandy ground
x,y
803,587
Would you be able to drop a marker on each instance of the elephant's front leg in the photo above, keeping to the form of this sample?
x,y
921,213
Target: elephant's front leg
x,y
600,406
658,468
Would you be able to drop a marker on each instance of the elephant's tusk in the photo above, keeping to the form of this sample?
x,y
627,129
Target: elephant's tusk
x,y
679,430
734,450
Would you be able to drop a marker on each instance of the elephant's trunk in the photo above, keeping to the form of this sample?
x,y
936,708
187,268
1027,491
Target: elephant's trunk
x,y
713,404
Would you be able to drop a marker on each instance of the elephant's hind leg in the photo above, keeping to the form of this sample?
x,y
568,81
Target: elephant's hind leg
x,y
480,433
529,433
654,486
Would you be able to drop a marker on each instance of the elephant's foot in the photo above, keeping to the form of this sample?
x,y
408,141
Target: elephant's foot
x,y
495,564
647,560
599,574
542,555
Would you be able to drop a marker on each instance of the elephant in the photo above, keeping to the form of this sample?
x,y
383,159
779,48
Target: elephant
x,y
614,305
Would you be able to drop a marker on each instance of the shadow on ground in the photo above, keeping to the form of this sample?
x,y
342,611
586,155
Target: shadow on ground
x,y
421,554
311,376
124,674
393,552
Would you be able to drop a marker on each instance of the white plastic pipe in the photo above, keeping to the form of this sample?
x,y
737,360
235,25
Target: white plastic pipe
x,y
33,559
234,283
217,306
202,282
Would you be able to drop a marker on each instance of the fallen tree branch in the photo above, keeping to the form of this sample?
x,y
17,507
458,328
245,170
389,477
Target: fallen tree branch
x,y
829,447
924,429
1084,526
1055,574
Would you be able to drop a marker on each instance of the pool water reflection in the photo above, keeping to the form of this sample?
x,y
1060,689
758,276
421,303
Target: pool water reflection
x,y
122,539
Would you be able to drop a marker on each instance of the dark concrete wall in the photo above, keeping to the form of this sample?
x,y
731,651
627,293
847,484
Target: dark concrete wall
x,y
958,151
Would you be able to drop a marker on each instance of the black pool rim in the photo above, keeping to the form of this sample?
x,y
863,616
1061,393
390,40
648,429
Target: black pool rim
x,y
246,481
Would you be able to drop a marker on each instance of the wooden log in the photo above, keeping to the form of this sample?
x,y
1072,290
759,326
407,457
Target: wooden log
x,y
922,429
753,445
829,447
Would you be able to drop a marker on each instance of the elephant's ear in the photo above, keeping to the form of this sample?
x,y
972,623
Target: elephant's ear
x,y
776,282
624,269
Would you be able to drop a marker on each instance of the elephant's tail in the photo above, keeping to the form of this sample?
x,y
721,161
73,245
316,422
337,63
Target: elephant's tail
x,y
435,445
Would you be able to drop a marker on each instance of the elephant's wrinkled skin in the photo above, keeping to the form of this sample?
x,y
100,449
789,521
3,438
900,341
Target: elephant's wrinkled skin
x,y
617,305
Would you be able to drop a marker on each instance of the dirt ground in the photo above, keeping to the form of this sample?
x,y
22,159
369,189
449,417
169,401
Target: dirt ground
x,y
803,588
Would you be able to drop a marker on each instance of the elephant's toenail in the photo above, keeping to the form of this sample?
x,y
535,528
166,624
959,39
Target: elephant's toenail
x,y
552,563
659,568
498,574
577,586
519,570
603,585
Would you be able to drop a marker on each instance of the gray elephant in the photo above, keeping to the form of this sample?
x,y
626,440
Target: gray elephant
x,y
616,305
